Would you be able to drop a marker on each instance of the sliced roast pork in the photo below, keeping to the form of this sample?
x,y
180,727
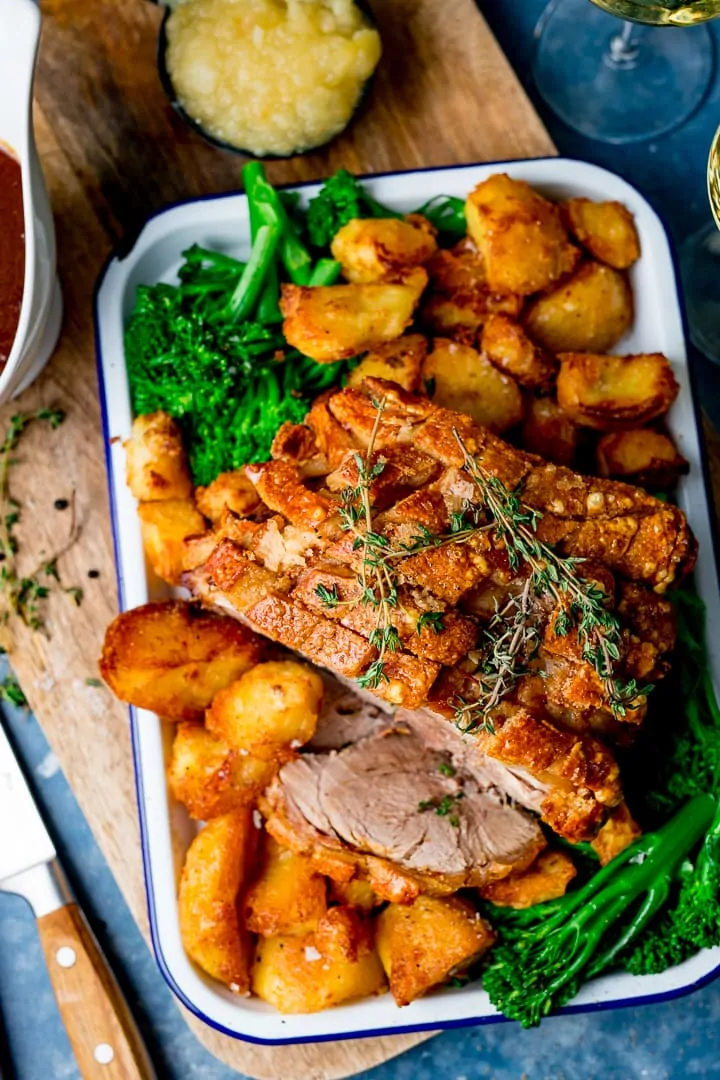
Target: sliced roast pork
x,y
294,570
412,806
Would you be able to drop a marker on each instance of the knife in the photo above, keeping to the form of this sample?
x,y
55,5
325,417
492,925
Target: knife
x,y
102,1032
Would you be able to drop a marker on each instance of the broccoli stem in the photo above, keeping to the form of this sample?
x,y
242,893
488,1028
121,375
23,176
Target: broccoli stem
x,y
266,203
326,272
249,287
548,950
197,254
268,309
447,214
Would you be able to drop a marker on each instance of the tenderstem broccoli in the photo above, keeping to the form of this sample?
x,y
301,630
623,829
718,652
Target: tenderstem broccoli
x,y
658,901
549,950
343,198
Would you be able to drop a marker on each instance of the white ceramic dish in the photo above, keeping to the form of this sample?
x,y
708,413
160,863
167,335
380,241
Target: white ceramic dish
x,y
222,222
41,311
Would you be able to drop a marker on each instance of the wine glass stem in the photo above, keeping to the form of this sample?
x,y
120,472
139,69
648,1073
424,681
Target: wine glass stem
x,y
624,47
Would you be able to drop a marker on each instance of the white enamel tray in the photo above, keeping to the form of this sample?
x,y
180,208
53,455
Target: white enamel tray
x,y
221,222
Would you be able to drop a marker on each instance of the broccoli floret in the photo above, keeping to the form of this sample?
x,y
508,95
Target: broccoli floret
x,y
341,199
548,951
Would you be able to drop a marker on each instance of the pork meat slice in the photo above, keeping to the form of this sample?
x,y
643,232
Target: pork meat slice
x,y
411,806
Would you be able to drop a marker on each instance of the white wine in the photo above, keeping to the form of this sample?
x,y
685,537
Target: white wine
x,y
713,177
663,12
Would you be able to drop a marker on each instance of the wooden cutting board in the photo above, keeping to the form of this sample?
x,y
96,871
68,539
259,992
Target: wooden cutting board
x,y
113,152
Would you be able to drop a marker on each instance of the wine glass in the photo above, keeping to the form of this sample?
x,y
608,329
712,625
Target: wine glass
x,y
700,265
617,81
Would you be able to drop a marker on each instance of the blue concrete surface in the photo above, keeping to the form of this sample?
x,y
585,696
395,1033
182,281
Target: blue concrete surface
x,y
672,1041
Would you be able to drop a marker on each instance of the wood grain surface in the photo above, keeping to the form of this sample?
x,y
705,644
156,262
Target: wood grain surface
x,y
113,152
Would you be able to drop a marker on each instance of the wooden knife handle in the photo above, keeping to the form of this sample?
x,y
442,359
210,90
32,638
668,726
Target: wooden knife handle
x,y
102,1032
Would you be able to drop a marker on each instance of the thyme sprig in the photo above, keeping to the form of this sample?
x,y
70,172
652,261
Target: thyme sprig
x,y
512,641
581,604
378,575
22,595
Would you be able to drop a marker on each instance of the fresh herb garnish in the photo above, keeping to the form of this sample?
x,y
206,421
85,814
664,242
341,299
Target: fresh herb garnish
x,y
433,620
22,595
11,691
443,807
581,604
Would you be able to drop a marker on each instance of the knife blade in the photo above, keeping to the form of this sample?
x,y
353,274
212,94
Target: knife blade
x,y
102,1032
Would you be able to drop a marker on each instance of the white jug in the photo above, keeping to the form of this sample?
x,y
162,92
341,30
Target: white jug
x,y
41,310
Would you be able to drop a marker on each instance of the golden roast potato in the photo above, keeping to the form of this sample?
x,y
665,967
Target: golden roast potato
x,y
165,526
458,377
172,657
545,879
333,322
216,867
614,392
228,491
155,463
354,893
641,456
335,963
606,229
272,707
210,778
589,312
425,943
375,249
459,299
549,432
398,361
520,236
287,896
508,347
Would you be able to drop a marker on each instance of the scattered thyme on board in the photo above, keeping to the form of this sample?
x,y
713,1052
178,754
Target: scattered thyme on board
x,y
23,595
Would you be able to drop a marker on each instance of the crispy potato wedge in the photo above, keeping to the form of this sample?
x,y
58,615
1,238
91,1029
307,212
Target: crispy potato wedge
x,y
425,943
287,896
210,778
606,229
459,299
549,432
357,892
545,879
336,321
610,393
589,312
459,377
520,236
644,457
374,249
216,866
172,658
229,491
270,708
336,963
508,347
398,361
156,465
618,832
165,527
